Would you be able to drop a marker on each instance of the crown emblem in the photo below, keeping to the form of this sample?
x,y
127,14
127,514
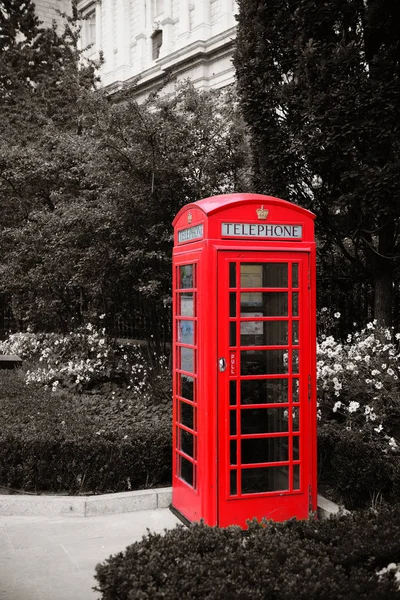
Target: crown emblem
x,y
190,217
262,213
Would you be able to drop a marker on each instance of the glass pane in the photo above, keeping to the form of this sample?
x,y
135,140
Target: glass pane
x,y
232,335
233,452
187,443
263,362
296,418
296,477
296,447
232,275
264,450
295,275
263,333
295,332
187,415
187,360
186,276
186,332
264,391
295,390
263,420
187,387
232,304
268,304
232,428
295,361
232,393
263,275
186,304
265,479
233,483
186,470
295,304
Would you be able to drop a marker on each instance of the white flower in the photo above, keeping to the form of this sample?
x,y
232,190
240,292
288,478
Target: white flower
x,y
337,315
375,372
379,385
353,406
337,405
370,326
390,371
392,443
102,316
367,410
379,428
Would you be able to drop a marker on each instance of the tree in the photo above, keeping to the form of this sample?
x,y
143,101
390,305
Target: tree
x,y
94,234
319,84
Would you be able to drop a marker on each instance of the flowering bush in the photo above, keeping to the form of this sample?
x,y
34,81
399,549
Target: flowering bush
x,y
359,381
84,359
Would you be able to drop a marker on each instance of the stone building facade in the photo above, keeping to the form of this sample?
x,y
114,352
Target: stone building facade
x,y
145,40
49,10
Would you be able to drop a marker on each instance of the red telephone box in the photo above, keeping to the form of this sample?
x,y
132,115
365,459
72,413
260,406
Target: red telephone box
x,y
244,360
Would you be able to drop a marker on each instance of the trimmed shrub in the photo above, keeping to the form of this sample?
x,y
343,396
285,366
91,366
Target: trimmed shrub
x,y
355,469
60,442
334,559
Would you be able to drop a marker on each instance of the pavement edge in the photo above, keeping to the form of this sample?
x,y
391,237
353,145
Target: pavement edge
x,y
107,504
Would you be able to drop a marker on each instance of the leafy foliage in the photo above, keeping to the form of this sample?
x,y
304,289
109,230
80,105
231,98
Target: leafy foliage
x,y
359,382
55,441
87,359
319,85
356,468
92,230
334,559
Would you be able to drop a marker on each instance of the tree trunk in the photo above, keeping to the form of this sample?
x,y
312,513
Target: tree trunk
x,y
383,298
384,276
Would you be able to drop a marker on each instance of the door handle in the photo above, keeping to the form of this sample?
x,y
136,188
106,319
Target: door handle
x,y
222,365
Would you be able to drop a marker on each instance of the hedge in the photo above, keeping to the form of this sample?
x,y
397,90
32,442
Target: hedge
x,y
355,468
65,443
334,559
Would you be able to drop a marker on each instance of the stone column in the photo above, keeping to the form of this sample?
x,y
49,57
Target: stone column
x,y
123,23
99,33
108,40
141,37
184,21
202,20
167,24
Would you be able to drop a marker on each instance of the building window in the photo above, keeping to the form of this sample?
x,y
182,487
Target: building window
x,y
88,32
157,39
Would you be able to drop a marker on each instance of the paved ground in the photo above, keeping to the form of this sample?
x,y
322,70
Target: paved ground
x,y
54,558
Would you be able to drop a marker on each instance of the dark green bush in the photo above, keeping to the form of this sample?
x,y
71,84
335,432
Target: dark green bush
x,y
332,560
355,467
62,442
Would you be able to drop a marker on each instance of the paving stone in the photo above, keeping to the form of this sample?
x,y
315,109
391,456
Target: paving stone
x,y
55,558
74,586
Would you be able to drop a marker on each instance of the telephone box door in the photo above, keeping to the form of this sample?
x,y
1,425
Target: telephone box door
x,y
264,380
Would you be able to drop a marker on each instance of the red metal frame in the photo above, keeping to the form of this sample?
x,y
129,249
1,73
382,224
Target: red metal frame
x,y
201,436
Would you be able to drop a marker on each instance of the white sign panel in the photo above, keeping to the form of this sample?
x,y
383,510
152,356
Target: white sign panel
x,y
191,233
262,230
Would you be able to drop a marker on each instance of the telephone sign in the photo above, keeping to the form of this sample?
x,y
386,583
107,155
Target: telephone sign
x,y
244,364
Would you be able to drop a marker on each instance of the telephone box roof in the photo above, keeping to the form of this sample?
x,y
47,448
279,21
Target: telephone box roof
x,y
215,204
